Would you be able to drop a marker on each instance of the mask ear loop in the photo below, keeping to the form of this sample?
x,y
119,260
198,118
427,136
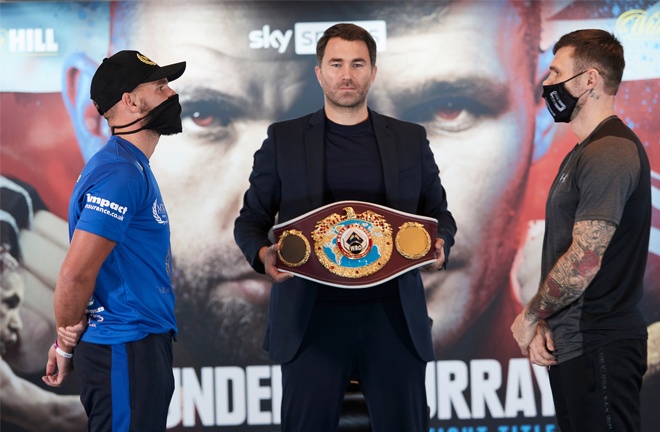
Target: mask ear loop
x,y
575,76
128,125
153,113
584,71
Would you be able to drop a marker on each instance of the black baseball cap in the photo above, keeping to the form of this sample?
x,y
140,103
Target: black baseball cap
x,y
123,72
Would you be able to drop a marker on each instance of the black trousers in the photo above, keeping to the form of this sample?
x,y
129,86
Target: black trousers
x,y
126,387
599,391
364,341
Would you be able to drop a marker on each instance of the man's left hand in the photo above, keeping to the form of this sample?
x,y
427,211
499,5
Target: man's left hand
x,y
57,368
439,256
523,330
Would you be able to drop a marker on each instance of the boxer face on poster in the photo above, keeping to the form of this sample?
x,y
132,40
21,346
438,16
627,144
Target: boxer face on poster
x,y
12,292
470,86
468,77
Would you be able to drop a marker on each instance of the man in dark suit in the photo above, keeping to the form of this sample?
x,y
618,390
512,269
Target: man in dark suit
x,y
322,335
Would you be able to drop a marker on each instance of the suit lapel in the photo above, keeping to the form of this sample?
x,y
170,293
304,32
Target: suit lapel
x,y
314,136
387,147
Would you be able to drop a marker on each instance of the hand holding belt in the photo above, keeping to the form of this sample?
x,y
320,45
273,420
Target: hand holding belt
x,y
354,244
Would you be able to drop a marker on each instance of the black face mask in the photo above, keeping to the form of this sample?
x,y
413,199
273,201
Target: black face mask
x,y
559,101
165,119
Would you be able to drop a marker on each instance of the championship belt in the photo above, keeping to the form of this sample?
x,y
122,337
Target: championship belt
x,y
354,244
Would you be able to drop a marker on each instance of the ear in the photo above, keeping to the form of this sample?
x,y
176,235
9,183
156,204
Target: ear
x,y
91,129
131,102
593,77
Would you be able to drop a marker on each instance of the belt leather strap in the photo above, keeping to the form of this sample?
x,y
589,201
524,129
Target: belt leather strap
x,y
355,244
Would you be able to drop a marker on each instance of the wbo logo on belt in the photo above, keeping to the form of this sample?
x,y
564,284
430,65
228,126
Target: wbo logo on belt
x,y
356,244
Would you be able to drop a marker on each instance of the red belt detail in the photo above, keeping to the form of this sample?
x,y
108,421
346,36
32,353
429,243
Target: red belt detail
x,y
355,244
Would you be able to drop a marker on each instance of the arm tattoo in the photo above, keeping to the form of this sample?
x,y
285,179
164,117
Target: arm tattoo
x,y
574,270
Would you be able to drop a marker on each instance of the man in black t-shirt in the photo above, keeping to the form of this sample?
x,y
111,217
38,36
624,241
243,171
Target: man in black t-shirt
x,y
585,323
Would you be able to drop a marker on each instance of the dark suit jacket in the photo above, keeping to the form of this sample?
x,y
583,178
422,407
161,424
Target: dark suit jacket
x,y
287,181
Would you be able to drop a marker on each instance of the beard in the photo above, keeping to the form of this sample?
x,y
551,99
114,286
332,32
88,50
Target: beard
x,y
217,329
356,99
346,102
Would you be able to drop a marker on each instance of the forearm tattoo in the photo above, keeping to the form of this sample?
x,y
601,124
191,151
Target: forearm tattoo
x,y
574,271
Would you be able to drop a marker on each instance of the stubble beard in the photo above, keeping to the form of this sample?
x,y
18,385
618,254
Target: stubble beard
x,y
217,329
348,101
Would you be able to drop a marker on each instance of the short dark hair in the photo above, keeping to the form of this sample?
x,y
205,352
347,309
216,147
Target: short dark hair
x,y
349,32
598,49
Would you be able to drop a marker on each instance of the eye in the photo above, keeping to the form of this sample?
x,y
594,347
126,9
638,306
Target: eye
x,y
202,120
12,302
450,114
208,113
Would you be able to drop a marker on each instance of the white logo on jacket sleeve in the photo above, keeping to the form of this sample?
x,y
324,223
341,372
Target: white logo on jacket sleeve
x,y
160,214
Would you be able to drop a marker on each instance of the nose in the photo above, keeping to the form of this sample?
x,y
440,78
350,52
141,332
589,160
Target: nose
x,y
14,322
347,71
9,333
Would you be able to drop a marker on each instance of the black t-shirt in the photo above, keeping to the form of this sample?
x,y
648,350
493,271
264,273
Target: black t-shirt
x,y
354,171
607,178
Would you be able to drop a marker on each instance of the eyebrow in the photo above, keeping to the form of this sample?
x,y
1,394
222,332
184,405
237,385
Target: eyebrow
x,y
201,92
488,92
355,60
224,104
155,83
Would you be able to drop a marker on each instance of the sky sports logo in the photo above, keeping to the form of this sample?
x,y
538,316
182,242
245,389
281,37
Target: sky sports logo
x,y
306,34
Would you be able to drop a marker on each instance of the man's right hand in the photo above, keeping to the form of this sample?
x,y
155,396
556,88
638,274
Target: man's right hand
x,y
69,336
542,346
268,255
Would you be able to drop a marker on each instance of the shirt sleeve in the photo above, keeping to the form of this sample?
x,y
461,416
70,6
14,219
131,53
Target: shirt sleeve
x,y
112,196
607,175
